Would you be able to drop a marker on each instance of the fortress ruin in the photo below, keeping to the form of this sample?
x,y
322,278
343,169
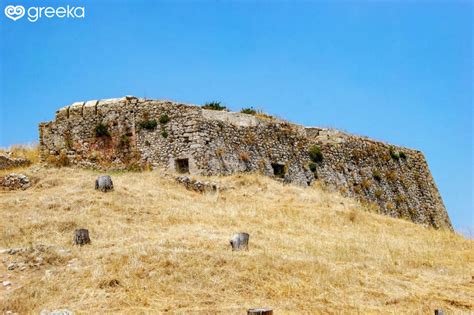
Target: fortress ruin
x,y
133,133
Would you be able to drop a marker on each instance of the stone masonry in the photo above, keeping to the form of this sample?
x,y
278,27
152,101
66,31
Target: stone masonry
x,y
132,133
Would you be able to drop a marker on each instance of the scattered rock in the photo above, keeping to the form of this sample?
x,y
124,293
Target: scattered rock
x,y
240,241
7,161
13,251
81,237
195,185
104,183
15,181
11,266
6,283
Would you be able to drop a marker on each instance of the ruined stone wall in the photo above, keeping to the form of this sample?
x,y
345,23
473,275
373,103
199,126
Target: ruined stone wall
x,y
397,179
131,133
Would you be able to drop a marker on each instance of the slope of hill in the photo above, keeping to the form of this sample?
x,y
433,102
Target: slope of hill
x,y
158,247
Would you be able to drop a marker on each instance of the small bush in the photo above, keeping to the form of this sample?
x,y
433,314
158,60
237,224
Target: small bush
x,y
315,154
392,176
124,141
402,155
220,152
214,106
164,134
312,167
400,199
366,183
394,155
164,119
102,130
249,111
376,175
244,156
357,189
378,193
147,143
148,124
261,114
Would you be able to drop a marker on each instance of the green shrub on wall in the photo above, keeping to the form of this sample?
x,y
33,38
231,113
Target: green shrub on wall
x,y
164,119
315,154
249,111
376,175
394,155
214,106
148,124
102,130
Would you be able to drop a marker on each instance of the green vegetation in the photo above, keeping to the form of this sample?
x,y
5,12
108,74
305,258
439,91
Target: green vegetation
x,y
248,110
376,175
102,130
148,124
394,155
124,141
164,134
315,154
312,167
378,193
214,106
164,119
402,155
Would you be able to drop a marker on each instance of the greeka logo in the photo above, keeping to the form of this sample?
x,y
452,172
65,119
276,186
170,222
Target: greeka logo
x,y
16,12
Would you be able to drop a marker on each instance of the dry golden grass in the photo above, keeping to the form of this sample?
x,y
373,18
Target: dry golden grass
x,y
157,247
28,151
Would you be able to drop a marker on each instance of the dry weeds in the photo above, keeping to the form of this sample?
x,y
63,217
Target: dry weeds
x,y
158,247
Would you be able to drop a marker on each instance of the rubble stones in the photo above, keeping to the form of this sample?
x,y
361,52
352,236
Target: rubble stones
x,y
6,161
195,185
15,181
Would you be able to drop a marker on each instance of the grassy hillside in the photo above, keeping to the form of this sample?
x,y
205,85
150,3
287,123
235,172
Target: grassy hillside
x,y
157,247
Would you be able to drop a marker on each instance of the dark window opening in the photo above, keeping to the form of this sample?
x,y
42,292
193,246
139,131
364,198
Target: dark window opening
x,y
182,165
278,170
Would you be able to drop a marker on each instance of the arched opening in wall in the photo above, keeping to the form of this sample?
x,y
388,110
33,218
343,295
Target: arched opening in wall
x,y
182,165
278,170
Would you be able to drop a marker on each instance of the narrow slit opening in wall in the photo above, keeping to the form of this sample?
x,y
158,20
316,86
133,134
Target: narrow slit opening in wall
x,y
182,165
278,170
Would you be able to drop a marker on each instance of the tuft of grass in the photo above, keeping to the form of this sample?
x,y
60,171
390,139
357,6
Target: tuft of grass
x,y
376,175
102,130
164,119
244,156
394,155
149,124
248,110
315,154
214,106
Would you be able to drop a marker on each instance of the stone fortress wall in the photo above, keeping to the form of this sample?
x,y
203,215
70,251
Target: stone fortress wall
x,y
133,133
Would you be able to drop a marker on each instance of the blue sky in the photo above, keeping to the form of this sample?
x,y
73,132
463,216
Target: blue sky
x,y
395,71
